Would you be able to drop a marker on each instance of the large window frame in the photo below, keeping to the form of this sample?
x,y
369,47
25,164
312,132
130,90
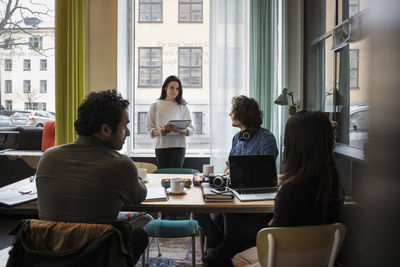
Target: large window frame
x,y
43,86
27,86
36,42
328,71
150,67
150,5
8,86
190,68
43,64
190,4
27,65
8,105
8,65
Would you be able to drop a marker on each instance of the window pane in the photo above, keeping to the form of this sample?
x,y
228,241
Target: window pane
x,y
144,75
156,76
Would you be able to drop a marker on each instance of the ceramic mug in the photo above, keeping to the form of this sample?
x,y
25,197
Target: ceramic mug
x,y
177,185
208,169
142,173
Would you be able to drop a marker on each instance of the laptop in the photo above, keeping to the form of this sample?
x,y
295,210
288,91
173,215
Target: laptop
x,y
253,177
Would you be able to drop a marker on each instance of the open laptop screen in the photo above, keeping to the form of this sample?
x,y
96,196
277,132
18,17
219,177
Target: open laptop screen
x,y
247,171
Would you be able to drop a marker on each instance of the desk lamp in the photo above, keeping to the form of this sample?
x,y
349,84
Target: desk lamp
x,y
282,100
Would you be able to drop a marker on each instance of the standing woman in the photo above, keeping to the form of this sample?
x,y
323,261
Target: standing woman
x,y
170,142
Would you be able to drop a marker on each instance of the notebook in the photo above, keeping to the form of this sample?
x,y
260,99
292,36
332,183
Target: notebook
x,y
253,177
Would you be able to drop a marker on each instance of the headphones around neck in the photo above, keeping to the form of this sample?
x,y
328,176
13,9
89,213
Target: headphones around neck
x,y
247,134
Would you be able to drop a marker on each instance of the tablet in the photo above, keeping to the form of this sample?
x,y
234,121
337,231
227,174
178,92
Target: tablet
x,y
180,124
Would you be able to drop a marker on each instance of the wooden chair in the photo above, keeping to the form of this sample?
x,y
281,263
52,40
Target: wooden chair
x,y
149,166
317,245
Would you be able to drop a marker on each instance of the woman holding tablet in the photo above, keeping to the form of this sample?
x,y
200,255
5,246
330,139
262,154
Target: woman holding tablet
x,y
169,122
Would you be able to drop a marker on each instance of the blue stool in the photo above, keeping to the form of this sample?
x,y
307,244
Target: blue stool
x,y
173,229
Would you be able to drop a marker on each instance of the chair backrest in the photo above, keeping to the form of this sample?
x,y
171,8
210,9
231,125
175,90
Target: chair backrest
x,y
176,171
317,245
149,166
49,135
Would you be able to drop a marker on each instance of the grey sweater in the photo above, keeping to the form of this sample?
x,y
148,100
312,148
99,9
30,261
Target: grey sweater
x,y
86,181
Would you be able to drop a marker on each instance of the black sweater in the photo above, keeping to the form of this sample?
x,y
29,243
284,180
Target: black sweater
x,y
295,205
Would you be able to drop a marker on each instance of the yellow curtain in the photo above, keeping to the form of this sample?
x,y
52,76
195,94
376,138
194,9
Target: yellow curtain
x,y
70,70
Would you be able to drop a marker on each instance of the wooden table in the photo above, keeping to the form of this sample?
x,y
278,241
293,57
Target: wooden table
x,y
192,201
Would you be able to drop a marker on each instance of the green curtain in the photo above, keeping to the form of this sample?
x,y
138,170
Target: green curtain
x,y
70,56
262,51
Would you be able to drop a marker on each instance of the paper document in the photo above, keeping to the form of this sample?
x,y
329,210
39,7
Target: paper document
x,y
19,194
156,194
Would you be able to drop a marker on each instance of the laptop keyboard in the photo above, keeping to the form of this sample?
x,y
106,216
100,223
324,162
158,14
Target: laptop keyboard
x,y
246,191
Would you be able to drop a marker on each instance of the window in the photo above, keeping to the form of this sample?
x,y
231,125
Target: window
x,y
27,64
198,122
8,43
7,65
354,7
353,68
9,105
8,86
336,81
190,10
142,117
27,86
35,106
190,66
150,64
36,42
150,10
43,64
43,86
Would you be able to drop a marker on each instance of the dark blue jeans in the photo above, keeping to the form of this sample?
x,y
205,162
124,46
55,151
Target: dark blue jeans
x,y
170,157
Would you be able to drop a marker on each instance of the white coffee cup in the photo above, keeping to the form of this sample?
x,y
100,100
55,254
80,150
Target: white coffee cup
x,y
177,185
142,173
208,169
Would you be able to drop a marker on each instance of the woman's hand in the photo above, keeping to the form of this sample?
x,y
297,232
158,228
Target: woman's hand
x,y
170,128
163,131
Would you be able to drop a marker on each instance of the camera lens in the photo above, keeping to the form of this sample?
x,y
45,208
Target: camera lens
x,y
219,181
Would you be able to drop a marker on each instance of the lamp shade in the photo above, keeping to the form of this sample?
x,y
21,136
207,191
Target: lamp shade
x,y
282,98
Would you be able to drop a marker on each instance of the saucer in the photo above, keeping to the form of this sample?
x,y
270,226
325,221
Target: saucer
x,y
173,193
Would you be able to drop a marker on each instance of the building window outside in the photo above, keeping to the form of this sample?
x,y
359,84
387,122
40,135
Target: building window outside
x,y
43,64
43,86
36,42
190,66
198,122
150,11
142,117
9,105
190,10
354,7
8,43
8,86
27,86
27,64
35,106
7,65
353,67
150,67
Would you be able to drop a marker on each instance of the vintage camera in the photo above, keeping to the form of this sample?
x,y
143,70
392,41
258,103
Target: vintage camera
x,y
219,180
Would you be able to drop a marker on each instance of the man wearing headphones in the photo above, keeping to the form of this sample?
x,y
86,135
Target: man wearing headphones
x,y
252,139
229,234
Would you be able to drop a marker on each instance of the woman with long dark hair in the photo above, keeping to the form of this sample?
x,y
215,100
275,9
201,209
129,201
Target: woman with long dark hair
x,y
170,141
310,191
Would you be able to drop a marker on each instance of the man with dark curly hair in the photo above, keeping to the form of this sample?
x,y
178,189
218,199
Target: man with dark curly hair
x,y
88,180
229,234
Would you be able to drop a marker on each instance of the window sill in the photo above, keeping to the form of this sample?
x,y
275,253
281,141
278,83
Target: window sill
x,y
350,152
